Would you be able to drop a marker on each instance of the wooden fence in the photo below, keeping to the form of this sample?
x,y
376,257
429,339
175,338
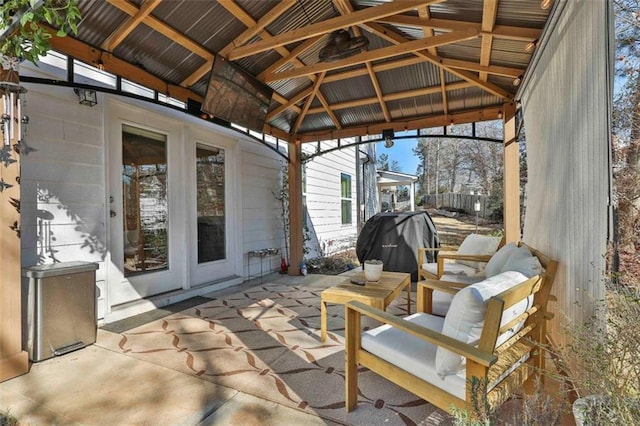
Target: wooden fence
x,y
463,202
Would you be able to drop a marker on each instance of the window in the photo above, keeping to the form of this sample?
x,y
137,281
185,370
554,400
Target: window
x,y
145,201
345,198
305,213
211,203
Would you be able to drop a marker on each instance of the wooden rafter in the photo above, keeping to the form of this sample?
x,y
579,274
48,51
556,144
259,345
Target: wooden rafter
x,y
396,38
253,28
443,90
257,28
319,28
344,7
489,12
306,45
424,13
483,114
390,65
307,104
129,25
395,96
385,52
164,29
499,31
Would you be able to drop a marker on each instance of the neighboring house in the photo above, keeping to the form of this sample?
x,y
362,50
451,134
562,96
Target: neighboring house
x,y
332,191
388,182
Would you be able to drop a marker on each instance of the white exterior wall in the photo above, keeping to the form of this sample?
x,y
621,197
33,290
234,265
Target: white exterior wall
x,y
566,111
63,206
328,234
65,202
261,211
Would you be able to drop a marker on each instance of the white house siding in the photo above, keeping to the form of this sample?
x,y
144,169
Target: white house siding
x,y
370,198
63,183
261,212
65,203
566,110
328,234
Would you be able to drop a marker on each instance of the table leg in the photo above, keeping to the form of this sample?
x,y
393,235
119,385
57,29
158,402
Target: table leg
x,y
409,298
323,320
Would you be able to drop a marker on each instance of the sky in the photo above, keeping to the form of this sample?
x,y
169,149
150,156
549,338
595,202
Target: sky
x,y
402,153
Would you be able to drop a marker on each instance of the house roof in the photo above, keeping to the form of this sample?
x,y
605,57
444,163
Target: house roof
x,y
389,178
429,62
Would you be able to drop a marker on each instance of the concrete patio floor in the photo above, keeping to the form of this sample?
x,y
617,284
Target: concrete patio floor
x,y
96,386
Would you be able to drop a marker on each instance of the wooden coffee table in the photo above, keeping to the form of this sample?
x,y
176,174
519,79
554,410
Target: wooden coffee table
x,y
378,295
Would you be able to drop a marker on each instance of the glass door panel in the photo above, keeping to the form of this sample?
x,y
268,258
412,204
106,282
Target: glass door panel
x,y
210,203
145,202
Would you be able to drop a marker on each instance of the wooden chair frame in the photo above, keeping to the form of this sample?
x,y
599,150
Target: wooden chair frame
x,y
484,362
444,255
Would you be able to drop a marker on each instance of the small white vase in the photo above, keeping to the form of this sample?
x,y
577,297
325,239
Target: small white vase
x,y
373,270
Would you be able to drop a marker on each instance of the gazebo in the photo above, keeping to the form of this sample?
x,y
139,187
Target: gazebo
x,y
336,74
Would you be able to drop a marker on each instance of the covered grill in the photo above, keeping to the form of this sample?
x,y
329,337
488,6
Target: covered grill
x,y
395,238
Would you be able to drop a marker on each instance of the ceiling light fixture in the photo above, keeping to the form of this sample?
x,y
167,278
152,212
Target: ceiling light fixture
x,y
531,45
517,80
545,4
388,135
341,45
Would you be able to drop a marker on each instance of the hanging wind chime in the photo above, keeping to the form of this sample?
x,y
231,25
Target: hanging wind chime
x,y
12,120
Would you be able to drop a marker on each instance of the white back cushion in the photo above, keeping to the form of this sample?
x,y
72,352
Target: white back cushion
x,y
475,244
523,261
495,265
465,318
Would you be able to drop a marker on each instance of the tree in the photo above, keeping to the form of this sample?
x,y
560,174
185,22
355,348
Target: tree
x,y
626,138
382,163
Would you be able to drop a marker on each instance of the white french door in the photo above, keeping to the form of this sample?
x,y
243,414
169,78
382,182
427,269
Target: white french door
x,y
214,194
147,219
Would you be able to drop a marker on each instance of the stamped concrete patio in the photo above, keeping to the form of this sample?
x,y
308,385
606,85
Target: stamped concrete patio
x,y
103,385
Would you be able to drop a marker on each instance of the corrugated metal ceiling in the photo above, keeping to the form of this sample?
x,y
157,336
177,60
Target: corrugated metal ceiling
x,y
177,39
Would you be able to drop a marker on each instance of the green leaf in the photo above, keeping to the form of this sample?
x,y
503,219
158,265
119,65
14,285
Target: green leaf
x,y
61,33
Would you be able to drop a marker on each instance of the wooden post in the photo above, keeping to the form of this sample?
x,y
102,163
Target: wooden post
x,y
296,252
13,360
511,176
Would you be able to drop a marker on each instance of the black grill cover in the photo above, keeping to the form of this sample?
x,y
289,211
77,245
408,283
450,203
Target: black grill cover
x,y
394,238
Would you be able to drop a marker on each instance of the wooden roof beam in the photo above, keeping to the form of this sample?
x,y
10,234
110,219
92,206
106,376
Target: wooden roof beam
x,y
499,31
344,21
307,104
159,26
483,114
395,96
396,38
424,13
90,55
129,25
383,53
290,103
489,13
345,8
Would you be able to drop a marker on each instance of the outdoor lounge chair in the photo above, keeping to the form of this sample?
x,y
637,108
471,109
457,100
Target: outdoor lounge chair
x,y
466,263
492,332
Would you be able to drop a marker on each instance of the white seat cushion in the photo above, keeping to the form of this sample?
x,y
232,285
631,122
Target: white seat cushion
x,y
465,319
452,268
412,354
